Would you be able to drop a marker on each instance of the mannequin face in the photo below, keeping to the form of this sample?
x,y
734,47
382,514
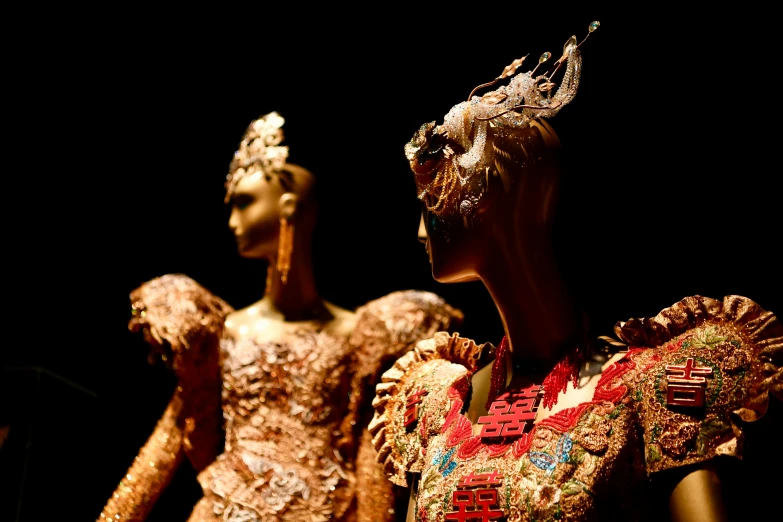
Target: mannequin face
x,y
450,247
255,216
512,210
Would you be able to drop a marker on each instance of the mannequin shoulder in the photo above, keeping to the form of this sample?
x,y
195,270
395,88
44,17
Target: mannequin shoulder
x,y
415,398
174,309
699,373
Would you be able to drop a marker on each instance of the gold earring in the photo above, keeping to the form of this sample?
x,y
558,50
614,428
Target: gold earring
x,y
285,246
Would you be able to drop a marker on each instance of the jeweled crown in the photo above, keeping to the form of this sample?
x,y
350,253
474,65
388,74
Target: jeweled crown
x,y
259,151
452,161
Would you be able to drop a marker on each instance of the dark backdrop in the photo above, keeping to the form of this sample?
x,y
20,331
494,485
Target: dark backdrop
x,y
124,125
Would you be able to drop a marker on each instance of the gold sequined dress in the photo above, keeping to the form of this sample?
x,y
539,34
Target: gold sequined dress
x,y
294,414
650,412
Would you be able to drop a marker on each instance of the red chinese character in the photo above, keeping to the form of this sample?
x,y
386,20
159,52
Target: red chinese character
x,y
471,480
686,387
412,406
509,419
479,505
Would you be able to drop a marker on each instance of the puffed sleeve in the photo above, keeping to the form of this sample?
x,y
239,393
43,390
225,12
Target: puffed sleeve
x,y
413,401
391,325
707,368
386,328
182,322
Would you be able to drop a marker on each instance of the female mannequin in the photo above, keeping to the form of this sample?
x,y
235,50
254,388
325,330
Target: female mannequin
x,y
557,426
294,369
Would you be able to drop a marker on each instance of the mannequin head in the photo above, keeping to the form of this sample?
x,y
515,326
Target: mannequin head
x,y
264,190
487,176
511,213
259,202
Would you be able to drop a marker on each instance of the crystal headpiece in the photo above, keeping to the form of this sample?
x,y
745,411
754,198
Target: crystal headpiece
x,y
259,151
452,161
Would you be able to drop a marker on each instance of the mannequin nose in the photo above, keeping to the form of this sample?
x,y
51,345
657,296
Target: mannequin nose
x,y
233,222
422,231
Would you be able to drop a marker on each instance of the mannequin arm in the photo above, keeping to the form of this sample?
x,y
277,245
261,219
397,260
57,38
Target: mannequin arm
x,y
151,471
697,497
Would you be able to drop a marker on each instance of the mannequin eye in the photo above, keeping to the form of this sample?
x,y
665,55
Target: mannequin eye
x,y
242,201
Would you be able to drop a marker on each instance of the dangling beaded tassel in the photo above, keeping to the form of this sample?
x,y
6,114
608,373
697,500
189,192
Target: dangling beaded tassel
x,y
499,371
567,370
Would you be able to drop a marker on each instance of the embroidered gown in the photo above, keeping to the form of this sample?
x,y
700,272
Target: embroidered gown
x,y
294,410
692,379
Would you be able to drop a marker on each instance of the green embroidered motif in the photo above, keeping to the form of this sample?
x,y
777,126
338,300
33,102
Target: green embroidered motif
x,y
638,396
654,432
710,429
707,338
616,412
430,479
738,392
572,487
577,456
653,454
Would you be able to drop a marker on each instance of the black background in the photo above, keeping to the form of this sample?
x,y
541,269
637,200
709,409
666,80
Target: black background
x,y
123,124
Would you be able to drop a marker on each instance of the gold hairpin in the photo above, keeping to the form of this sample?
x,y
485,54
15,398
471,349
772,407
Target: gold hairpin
x,y
547,86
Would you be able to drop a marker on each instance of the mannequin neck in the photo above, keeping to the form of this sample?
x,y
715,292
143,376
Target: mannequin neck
x,y
297,299
541,320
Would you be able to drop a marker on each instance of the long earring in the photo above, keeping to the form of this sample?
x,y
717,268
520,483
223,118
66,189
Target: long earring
x,y
285,246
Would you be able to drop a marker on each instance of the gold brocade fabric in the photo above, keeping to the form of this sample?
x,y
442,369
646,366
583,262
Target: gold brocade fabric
x,y
294,412
592,461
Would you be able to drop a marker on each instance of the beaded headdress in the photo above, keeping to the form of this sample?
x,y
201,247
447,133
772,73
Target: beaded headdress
x,y
452,162
259,151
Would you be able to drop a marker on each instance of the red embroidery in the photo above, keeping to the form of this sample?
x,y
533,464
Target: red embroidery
x,y
499,372
470,448
454,413
566,419
461,431
496,450
522,444
603,391
460,387
672,347
567,370
656,358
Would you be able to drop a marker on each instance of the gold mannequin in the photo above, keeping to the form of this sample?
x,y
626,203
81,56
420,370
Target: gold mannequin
x,y
293,368
508,247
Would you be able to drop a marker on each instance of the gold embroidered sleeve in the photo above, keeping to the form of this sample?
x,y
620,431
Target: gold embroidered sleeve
x,y
375,494
183,322
391,325
412,401
386,328
708,367
151,471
